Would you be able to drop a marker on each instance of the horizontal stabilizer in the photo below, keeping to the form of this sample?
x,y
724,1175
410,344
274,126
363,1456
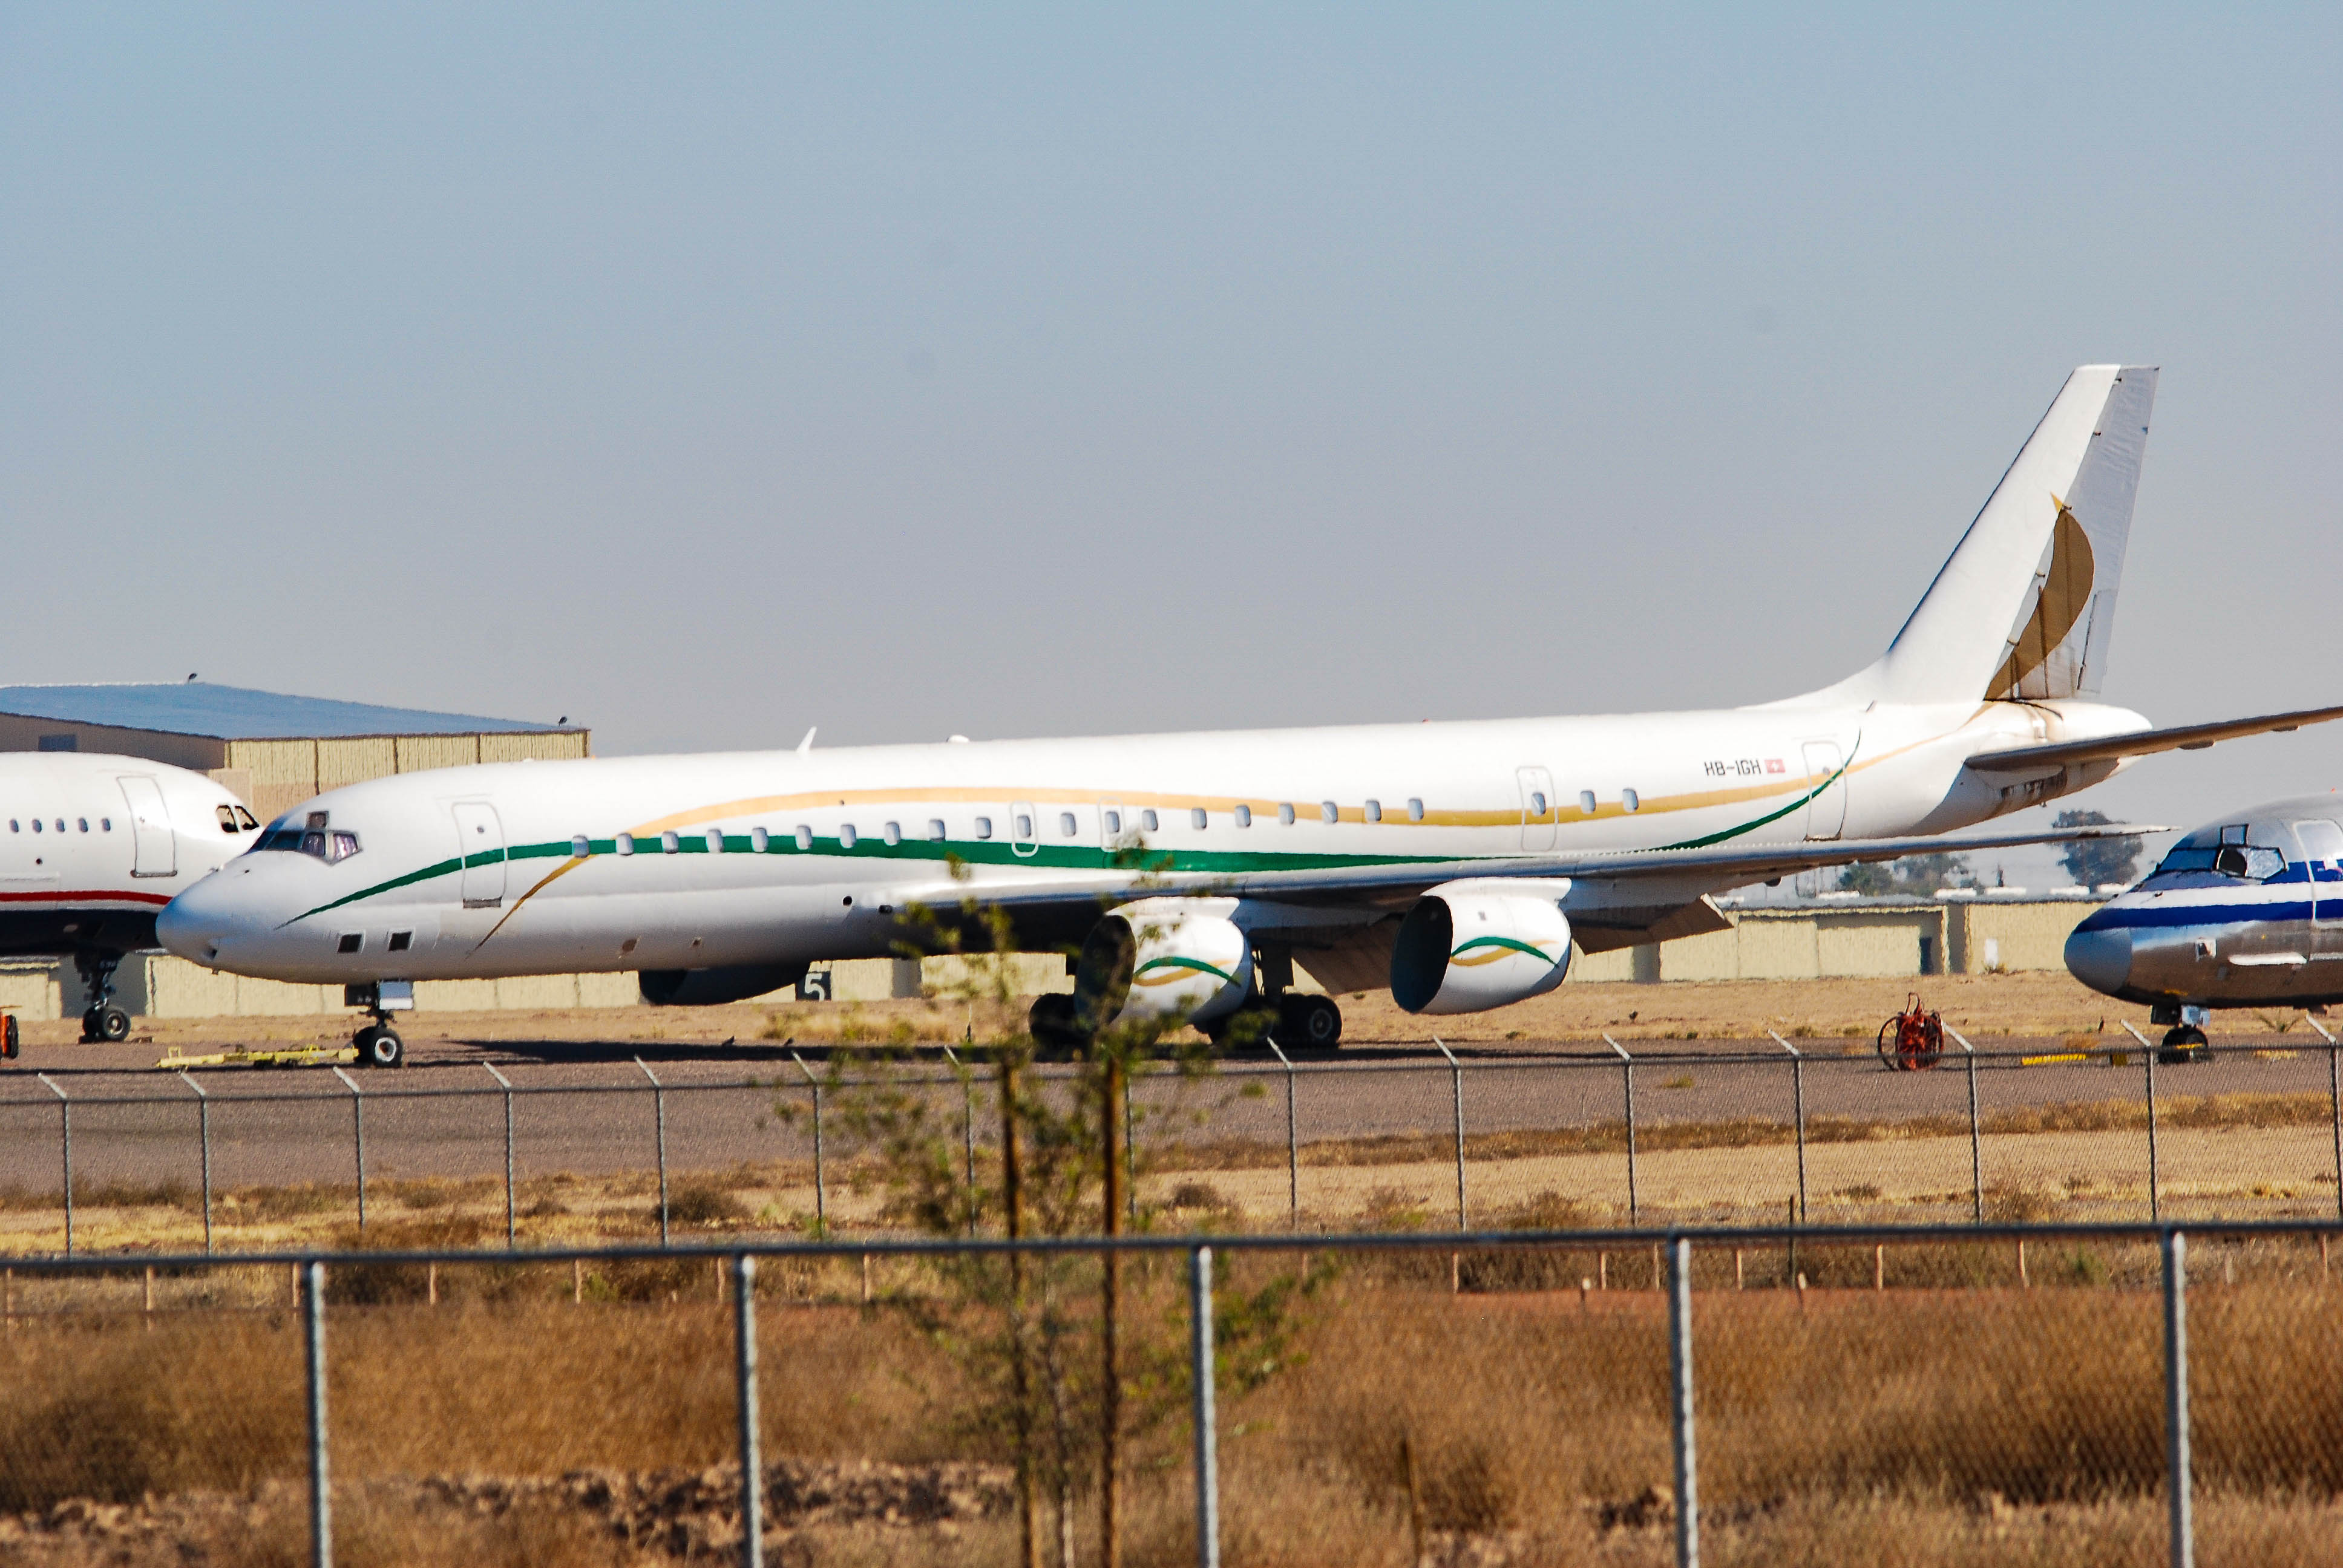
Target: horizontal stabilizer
x,y
2143,742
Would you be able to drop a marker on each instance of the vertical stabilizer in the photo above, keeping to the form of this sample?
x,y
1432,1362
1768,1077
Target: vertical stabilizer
x,y
2025,607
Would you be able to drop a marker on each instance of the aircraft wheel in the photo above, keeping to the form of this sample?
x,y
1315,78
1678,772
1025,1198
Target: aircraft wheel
x,y
2185,1043
105,1023
1052,1024
1309,1022
380,1046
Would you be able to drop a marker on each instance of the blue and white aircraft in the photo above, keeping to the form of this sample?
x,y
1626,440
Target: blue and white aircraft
x,y
2245,911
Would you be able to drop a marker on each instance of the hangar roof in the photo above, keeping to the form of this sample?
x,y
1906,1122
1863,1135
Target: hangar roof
x,y
238,713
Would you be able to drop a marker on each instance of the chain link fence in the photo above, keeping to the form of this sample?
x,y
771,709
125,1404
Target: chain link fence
x,y
2126,1393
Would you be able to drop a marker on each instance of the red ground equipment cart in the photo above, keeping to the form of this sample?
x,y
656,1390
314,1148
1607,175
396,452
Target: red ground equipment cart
x,y
1913,1039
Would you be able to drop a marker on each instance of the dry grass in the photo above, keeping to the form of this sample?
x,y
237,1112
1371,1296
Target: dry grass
x,y
1918,1425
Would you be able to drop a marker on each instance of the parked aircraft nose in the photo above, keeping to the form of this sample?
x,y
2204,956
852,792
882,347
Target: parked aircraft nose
x,y
2100,958
200,921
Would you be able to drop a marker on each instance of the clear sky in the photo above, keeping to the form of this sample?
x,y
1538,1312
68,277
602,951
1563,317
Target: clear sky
x,y
704,373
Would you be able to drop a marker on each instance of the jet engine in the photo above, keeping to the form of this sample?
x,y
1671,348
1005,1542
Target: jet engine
x,y
1467,947
715,987
1164,958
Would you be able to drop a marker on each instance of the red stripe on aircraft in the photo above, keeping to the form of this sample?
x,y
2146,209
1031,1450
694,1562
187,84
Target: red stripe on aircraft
x,y
85,896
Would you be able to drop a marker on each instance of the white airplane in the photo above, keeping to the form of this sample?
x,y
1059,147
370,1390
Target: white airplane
x,y
92,846
1455,863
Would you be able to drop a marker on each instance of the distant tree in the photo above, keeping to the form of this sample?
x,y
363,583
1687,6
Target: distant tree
x,y
1869,878
2091,861
1913,876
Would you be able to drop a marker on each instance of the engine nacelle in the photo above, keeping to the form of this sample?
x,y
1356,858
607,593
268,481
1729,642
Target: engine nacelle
x,y
1467,947
716,987
1164,958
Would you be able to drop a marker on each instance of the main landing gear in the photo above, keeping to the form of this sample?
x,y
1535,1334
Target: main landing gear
x,y
1295,1021
103,1021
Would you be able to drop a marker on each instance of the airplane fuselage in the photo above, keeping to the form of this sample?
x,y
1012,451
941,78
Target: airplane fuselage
x,y
774,858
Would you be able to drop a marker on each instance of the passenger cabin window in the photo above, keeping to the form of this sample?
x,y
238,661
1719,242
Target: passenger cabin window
x,y
1537,803
12,826
1374,811
580,847
759,842
37,825
1066,824
81,823
715,840
1244,816
1285,814
1147,821
935,829
1327,812
626,844
401,941
805,836
351,943
846,835
106,824
1630,801
1414,810
1197,818
1024,825
1586,802
670,843
893,833
1114,822
984,827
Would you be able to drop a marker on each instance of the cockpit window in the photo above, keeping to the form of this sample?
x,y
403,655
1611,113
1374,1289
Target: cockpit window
x,y
227,815
327,846
2249,862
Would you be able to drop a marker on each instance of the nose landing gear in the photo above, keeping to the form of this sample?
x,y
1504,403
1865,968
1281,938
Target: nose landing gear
x,y
377,1043
102,1020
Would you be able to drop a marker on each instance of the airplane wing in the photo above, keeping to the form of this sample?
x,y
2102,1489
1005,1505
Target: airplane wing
x,y
1394,885
2141,742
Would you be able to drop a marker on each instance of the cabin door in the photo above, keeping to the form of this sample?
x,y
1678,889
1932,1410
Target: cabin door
x,y
156,853
2321,843
480,848
1827,811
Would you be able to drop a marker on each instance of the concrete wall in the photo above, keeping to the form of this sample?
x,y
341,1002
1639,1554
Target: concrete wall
x,y
1812,941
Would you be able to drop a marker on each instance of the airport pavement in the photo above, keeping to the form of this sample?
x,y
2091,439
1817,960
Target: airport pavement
x,y
588,1108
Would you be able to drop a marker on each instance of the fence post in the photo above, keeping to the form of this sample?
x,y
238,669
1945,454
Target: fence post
x,y
1456,1097
752,1464
1292,1150
2176,1480
2147,1054
821,1200
1680,1403
659,1122
2334,1103
1200,1374
1627,1075
64,1139
204,1138
1977,1145
321,1499
1798,1111
357,1138
967,1130
1627,1072
500,1078
1130,1155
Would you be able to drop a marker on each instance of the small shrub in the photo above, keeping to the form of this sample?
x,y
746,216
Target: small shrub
x,y
702,1205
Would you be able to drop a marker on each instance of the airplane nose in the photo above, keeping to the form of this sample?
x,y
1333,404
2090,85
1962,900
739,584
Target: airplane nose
x,y
192,925
2100,958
